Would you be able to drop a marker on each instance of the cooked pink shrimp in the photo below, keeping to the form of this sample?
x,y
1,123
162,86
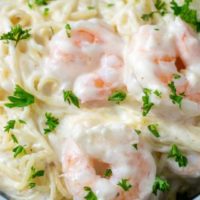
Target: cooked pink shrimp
x,y
84,164
157,53
89,61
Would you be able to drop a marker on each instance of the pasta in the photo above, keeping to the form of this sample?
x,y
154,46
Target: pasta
x,y
33,63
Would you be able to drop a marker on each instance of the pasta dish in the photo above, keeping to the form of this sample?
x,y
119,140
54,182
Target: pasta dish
x,y
99,99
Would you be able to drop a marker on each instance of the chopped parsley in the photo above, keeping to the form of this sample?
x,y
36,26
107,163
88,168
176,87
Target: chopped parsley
x,y
31,185
10,125
186,13
153,128
46,12
178,156
51,123
108,173
21,98
14,139
41,2
90,194
91,7
176,76
109,5
71,98
117,97
34,173
22,121
158,93
161,8
19,150
176,98
124,184
68,30
147,104
138,131
135,146
160,184
16,34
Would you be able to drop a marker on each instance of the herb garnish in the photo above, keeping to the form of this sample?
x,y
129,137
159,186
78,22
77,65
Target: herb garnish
x,y
161,8
90,194
176,98
138,131
109,5
117,97
160,184
68,29
16,34
71,98
34,173
153,128
41,2
108,173
14,139
51,122
147,104
10,125
135,146
18,150
178,156
21,98
124,184
186,13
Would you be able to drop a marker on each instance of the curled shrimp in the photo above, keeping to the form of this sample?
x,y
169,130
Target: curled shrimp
x,y
88,61
85,160
157,55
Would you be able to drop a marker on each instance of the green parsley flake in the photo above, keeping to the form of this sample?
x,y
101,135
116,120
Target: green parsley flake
x,y
108,173
71,98
31,185
109,5
46,12
176,76
14,139
147,104
22,121
117,97
124,184
161,8
91,7
135,146
41,2
19,150
160,184
153,128
51,122
138,131
90,194
186,14
36,173
68,30
178,156
21,98
176,98
158,93
10,125
16,34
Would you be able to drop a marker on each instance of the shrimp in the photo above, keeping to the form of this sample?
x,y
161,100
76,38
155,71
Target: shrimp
x,y
157,54
85,160
89,61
